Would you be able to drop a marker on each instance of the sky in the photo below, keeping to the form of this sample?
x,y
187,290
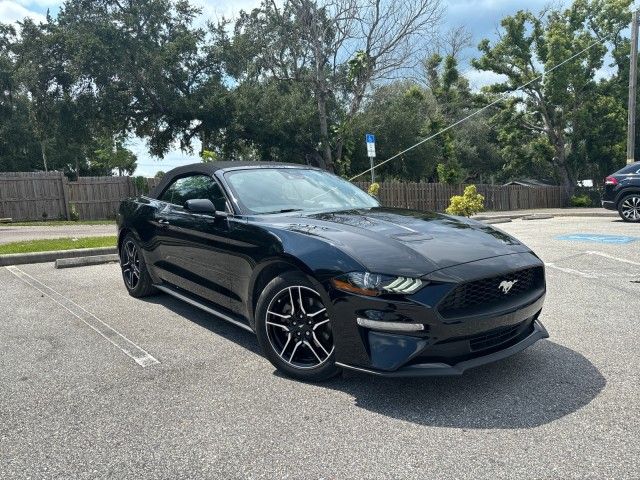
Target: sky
x,y
480,17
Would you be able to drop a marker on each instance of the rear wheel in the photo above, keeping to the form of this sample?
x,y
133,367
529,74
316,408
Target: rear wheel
x,y
134,270
629,208
294,328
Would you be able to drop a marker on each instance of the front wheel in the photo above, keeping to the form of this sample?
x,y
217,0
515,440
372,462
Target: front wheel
x,y
629,208
134,270
294,329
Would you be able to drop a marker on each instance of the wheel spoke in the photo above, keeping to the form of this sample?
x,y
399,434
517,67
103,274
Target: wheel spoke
x,y
320,323
279,325
320,344
294,351
285,317
293,306
322,310
313,351
285,345
300,300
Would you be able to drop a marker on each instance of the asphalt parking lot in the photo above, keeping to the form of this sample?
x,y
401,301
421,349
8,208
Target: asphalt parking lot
x,y
96,384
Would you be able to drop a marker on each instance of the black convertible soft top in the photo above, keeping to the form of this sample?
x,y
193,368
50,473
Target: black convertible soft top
x,y
212,168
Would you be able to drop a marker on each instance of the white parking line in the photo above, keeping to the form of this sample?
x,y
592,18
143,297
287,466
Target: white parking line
x,y
570,271
141,357
611,257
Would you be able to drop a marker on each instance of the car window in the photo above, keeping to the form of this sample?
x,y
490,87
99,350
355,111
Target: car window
x,y
634,168
194,187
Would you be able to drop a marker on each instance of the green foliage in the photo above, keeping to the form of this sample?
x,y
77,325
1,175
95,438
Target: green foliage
x,y
159,174
450,173
142,186
374,189
470,203
113,155
74,216
208,156
581,201
558,124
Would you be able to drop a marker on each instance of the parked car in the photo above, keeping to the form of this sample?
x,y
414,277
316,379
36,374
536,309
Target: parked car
x,y
327,278
622,192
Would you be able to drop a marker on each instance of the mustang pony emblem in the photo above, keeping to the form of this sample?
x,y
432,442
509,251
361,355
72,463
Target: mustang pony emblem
x,y
507,286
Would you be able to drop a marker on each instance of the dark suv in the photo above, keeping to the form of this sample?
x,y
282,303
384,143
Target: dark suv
x,y
622,192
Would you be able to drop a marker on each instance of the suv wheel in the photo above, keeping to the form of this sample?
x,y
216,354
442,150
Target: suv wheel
x,y
294,328
629,208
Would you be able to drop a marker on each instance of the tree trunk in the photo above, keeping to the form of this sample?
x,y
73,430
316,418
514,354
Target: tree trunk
x,y
44,155
324,131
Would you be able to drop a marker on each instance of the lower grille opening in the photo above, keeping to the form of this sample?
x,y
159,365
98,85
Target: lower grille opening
x,y
495,338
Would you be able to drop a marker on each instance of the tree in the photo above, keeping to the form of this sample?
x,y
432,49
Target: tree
x,y
113,155
153,72
554,113
338,48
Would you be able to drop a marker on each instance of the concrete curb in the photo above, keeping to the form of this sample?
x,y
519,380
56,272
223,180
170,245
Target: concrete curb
x,y
494,221
546,215
44,257
86,261
537,217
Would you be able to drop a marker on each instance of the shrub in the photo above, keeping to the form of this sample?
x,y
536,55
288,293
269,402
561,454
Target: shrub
x,y
374,188
581,201
73,213
468,204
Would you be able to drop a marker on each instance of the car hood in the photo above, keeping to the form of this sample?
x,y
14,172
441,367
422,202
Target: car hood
x,y
404,242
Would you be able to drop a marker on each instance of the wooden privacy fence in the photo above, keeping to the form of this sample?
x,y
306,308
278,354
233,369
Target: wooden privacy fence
x,y
38,196
436,196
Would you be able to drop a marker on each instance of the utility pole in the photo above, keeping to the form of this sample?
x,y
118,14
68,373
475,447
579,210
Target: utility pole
x,y
633,90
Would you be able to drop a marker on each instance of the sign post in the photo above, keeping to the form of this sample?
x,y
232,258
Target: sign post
x,y
371,152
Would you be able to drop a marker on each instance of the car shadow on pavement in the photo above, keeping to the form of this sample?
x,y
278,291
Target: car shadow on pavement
x,y
542,384
530,389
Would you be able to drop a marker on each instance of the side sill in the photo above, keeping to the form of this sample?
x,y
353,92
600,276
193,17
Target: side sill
x,y
203,307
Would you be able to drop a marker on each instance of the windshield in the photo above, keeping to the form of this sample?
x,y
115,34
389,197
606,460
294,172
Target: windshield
x,y
277,190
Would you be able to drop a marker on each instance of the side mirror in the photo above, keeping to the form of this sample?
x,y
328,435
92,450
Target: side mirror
x,y
203,206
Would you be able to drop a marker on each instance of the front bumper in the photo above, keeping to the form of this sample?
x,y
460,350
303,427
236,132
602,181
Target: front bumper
x,y
440,369
445,344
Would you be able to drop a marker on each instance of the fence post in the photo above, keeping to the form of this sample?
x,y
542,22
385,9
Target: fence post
x,y
65,195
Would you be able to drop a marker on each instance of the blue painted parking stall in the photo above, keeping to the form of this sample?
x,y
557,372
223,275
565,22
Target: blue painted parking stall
x,y
598,238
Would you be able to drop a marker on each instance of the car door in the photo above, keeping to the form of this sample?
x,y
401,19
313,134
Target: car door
x,y
195,250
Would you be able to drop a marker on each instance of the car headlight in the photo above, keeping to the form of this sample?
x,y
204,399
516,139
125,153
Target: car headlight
x,y
373,284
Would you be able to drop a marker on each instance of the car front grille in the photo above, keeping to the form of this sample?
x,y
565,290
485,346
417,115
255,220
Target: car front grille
x,y
488,293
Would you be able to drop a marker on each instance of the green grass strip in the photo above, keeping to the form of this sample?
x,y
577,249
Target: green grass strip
x,y
57,223
56,244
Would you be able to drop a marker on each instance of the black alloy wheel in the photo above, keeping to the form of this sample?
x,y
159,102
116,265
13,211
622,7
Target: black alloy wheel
x,y
630,208
134,270
294,328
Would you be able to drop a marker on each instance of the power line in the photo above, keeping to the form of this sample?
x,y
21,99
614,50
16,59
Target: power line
x,y
477,112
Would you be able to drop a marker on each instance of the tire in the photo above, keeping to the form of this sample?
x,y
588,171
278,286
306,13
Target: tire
x,y
134,270
629,208
294,329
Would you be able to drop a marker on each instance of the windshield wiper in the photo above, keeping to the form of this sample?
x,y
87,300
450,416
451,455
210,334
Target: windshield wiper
x,y
285,210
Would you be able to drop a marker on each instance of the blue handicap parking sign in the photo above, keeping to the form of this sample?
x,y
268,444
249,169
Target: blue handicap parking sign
x,y
598,238
371,138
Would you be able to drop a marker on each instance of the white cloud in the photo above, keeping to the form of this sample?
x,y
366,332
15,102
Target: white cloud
x,y
11,11
480,78
148,165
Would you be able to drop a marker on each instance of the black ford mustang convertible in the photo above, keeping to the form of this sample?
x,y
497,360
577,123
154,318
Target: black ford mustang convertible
x,y
328,279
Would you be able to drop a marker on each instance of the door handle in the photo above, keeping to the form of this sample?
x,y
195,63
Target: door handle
x,y
163,222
